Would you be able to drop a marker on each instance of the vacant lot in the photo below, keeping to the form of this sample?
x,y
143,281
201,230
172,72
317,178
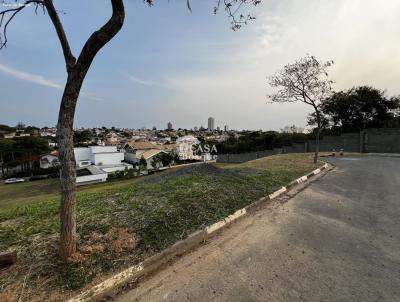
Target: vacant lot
x,y
121,223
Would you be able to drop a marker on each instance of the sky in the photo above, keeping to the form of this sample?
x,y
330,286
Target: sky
x,y
170,64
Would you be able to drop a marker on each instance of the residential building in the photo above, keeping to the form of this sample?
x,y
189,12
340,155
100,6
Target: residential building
x,y
149,156
133,151
95,162
50,160
9,135
211,124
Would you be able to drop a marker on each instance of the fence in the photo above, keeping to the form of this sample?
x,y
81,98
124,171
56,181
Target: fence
x,y
368,141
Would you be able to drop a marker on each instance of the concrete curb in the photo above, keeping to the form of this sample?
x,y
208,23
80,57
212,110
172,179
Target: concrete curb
x,y
181,247
384,154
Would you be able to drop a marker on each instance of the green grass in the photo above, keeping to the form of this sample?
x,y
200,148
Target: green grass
x,y
157,210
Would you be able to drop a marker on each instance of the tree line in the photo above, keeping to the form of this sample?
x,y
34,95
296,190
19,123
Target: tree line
x,y
21,151
345,111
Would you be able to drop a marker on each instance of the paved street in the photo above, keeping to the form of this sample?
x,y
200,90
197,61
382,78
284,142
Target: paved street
x,y
336,240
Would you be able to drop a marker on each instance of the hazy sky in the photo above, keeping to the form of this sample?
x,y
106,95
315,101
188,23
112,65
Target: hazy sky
x,y
168,64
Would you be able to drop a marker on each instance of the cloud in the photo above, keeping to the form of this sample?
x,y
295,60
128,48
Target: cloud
x,y
29,77
146,82
42,81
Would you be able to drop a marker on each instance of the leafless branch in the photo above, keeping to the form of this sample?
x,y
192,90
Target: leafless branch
x,y
8,14
233,10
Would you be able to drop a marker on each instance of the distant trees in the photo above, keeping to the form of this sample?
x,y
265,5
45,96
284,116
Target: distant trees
x,y
292,129
165,158
6,129
155,162
82,136
142,163
21,151
358,108
259,141
20,126
306,81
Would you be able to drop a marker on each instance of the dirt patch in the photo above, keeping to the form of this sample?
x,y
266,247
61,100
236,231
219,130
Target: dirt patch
x,y
12,222
116,239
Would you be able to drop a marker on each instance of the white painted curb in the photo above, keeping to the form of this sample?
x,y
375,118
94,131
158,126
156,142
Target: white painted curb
x,y
277,193
216,226
109,283
301,179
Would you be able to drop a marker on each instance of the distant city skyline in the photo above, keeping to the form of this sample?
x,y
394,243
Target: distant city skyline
x,y
183,68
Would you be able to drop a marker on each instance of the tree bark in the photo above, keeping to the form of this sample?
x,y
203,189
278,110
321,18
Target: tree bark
x,y
68,174
76,74
316,153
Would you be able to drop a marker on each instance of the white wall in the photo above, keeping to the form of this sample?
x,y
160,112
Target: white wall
x,y
107,158
107,155
82,154
103,149
91,178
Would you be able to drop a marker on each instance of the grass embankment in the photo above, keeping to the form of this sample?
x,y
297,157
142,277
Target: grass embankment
x,y
122,223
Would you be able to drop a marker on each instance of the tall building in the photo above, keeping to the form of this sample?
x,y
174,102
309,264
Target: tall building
x,y
169,126
211,123
226,128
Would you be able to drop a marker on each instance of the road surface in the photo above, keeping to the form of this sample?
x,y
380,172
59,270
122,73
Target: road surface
x,y
336,240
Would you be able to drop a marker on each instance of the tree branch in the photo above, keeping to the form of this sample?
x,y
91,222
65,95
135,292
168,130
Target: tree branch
x,y
18,7
101,37
69,58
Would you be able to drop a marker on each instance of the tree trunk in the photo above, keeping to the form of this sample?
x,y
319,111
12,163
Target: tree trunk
x,y
68,173
316,153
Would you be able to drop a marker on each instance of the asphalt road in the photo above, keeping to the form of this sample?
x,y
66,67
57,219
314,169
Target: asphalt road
x,y
336,240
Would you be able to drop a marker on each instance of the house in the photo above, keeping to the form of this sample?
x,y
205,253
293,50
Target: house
x,y
95,162
9,135
106,158
50,160
149,155
133,150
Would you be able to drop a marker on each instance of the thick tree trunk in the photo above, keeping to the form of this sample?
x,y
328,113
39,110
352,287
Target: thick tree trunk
x,y
68,173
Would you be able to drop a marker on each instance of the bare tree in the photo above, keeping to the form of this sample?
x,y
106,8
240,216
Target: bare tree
x,y
305,80
77,69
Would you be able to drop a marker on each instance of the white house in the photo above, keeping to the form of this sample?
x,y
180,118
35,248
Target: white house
x,y
50,160
98,161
